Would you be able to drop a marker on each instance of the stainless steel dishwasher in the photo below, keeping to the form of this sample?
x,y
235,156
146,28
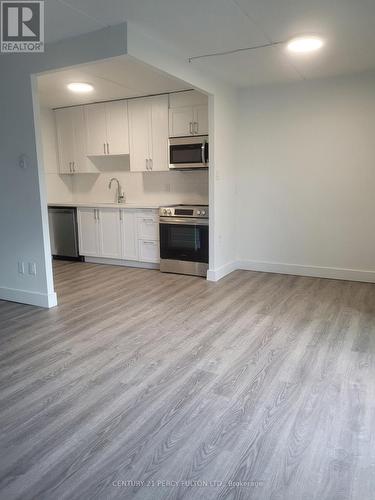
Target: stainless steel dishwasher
x,y
63,230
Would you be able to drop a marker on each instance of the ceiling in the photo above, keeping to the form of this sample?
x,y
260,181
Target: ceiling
x,y
116,78
201,26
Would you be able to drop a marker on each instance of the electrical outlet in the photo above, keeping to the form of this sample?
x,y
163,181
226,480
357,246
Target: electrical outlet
x,y
21,267
32,268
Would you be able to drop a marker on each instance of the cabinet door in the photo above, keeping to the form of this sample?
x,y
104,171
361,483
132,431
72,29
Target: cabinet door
x,y
65,140
88,232
159,133
201,119
147,226
149,251
139,134
96,132
80,160
109,233
129,235
181,121
117,128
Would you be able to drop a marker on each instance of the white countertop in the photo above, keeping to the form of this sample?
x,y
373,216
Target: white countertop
x,y
105,205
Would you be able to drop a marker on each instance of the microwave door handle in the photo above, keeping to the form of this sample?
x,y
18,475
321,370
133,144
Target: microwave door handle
x,y
203,152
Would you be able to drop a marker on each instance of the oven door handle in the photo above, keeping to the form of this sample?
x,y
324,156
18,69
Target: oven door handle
x,y
179,220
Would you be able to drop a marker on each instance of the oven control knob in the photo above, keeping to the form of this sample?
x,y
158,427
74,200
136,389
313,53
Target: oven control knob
x,y
198,212
164,212
169,212
203,212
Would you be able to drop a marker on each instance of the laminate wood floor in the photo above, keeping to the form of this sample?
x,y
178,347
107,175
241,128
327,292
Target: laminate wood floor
x,y
154,386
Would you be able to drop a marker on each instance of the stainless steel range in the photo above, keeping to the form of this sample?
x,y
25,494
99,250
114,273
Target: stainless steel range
x,y
184,239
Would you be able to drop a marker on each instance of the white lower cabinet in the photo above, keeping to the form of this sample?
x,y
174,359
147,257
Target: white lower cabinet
x,y
118,233
99,232
149,251
148,226
109,233
129,238
88,232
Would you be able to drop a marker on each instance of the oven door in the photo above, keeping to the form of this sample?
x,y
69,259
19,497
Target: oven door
x,y
184,239
188,153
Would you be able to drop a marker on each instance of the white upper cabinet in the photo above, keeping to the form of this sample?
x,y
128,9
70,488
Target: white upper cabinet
x,y
181,121
96,129
188,114
65,140
71,140
148,132
107,130
117,127
139,134
200,119
159,133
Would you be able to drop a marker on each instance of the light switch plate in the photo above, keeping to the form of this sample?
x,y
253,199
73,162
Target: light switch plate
x,y
32,268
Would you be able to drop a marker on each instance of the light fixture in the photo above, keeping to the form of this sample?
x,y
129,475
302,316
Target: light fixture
x,y
80,87
305,44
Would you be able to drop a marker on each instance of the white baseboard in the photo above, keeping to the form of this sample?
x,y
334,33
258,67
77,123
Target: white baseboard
x,y
120,262
27,297
312,271
217,274
293,269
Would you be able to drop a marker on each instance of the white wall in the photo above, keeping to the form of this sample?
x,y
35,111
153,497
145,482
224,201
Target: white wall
x,y
24,232
160,188
306,178
223,139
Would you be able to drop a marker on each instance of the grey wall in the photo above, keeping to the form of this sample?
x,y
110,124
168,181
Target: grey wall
x,y
23,209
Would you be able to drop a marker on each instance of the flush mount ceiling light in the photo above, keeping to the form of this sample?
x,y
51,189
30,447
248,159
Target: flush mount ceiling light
x,y
305,44
80,87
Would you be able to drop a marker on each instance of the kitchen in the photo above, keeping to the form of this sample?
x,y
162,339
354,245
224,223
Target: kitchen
x,y
125,151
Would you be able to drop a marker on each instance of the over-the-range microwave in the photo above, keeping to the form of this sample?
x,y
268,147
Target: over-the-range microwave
x,y
188,153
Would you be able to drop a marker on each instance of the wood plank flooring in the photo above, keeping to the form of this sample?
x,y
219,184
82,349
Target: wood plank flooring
x,y
155,386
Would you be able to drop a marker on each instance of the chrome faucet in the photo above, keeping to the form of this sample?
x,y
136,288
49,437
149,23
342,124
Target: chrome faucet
x,y
120,192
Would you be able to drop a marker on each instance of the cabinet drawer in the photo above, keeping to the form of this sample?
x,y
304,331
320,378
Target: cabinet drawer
x,y
148,226
149,251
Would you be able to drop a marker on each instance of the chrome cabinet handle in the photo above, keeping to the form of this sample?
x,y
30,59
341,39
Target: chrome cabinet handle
x,y
107,148
74,167
153,243
196,127
151,163
104,147
191,128
151,221
120,214
70,167
98,212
